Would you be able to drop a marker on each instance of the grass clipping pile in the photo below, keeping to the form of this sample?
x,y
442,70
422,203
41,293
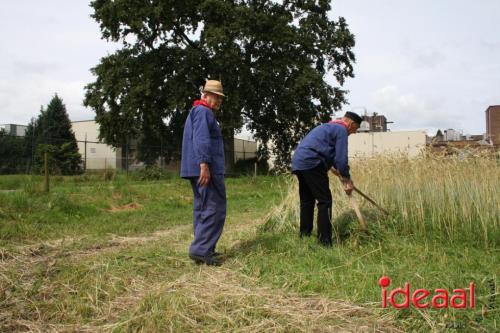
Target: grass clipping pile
x,y
285,217
190,305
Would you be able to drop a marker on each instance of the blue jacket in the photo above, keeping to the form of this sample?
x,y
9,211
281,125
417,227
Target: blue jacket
x,y
326,144
201,142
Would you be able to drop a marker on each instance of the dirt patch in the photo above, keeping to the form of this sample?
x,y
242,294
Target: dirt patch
x,y
186,199
125,208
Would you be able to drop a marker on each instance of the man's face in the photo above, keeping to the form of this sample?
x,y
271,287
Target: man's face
x,y
214,100
352,128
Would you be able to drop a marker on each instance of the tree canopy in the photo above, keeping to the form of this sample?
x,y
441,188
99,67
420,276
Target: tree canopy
x,y
51,132
272,57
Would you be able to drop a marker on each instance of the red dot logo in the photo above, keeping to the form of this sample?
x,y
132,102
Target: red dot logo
x,y
384,281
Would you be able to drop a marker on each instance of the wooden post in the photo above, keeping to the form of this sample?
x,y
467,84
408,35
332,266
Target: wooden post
x,y
105,173
32,169
126,157
255,170
85,154
161,153
244,156
46,166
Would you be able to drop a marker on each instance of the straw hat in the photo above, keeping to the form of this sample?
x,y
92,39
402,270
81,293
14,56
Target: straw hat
x,y
214,87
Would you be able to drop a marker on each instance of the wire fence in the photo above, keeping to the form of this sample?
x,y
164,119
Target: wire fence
x,y
21,155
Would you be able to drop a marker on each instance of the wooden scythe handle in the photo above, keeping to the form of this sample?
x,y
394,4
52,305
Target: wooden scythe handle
x,y
370,200
361,219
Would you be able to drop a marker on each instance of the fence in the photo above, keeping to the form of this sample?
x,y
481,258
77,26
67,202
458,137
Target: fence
x,y
19,155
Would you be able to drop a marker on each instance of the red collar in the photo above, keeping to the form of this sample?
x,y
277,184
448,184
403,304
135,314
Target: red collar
x,y
340,122
201,102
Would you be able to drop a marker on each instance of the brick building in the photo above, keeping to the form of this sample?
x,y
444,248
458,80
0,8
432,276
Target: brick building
x,y
493,124
377,123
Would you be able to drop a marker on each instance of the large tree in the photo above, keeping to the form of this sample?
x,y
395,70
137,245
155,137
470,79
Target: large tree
x,y
272,57
51,132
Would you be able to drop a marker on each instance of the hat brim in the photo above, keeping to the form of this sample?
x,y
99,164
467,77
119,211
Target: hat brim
x,y
214,92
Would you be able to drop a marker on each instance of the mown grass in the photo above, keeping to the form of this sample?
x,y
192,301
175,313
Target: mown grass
x,y
66,263
99,281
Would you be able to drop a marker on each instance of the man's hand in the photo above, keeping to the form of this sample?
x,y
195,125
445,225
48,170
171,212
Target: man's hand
x,y
348,186
204,175
335,172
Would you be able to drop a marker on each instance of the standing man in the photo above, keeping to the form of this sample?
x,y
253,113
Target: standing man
x,y
325,146
203,164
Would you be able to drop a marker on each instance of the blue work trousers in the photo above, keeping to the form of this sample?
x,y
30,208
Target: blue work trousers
x,y
209,214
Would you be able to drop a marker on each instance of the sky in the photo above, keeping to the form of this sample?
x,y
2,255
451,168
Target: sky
x,y
47,47
423,64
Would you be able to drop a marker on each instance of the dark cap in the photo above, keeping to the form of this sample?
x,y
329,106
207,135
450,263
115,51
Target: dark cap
x,y
354,117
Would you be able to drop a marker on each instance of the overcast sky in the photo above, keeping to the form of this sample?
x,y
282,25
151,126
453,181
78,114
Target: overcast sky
x,y
424,64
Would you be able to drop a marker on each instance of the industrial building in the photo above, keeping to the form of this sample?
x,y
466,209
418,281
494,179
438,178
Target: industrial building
x,y
373,138
374,123
14,129
95,155
402,143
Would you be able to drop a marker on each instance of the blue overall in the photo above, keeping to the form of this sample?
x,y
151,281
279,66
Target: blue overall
x,y
326,144
209,215
202,143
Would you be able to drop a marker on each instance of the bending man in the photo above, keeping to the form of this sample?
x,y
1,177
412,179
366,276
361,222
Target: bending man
x,y
325,146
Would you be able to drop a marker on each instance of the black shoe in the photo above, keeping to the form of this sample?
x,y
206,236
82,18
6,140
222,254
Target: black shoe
x,y
207,260
305,234
325,243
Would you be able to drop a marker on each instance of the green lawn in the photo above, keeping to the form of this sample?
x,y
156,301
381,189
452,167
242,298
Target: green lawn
x,y
112,256
351,270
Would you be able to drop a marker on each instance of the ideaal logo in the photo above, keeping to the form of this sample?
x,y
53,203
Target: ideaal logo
x,y
460,298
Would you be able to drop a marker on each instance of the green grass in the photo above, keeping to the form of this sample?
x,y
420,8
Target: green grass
x,y
75,259
350,271
443,232
75,281
73,209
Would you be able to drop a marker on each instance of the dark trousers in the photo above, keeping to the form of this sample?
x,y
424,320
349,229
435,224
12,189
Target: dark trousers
x,y
209,214
314,187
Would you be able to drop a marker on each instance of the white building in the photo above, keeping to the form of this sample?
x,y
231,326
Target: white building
x,y
406,143
371,144
452,135
14,129
96,155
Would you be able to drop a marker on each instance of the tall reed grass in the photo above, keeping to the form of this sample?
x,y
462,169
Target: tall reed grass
x,y
443,198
